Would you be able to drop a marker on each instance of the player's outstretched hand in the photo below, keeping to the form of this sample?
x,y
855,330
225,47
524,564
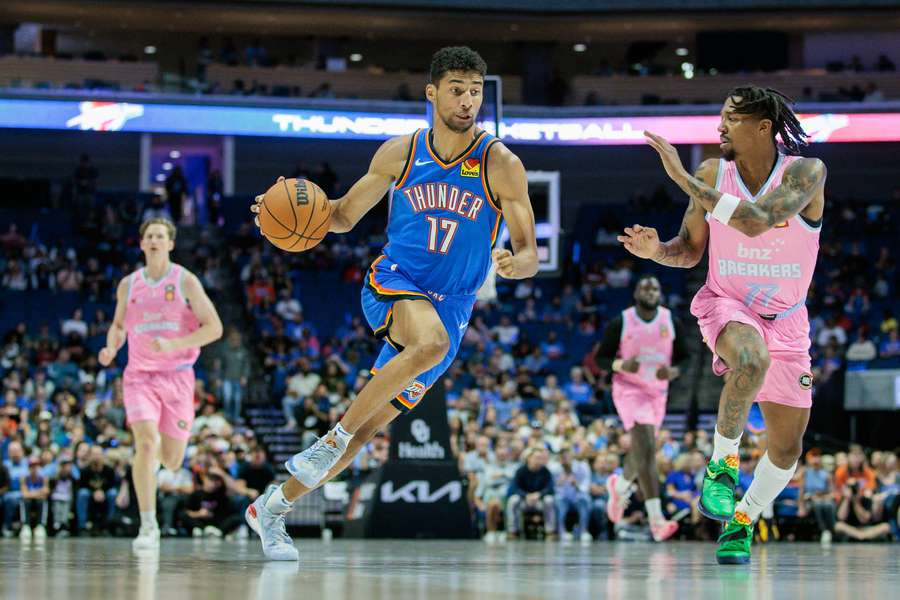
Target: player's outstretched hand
x,y
641,241
254,208
670,159
504,263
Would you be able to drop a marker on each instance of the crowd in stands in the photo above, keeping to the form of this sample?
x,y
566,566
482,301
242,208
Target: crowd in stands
x,y
64,443
529,411
522,405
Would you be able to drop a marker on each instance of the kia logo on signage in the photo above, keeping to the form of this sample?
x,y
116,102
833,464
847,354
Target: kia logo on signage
x,y
425,449
419,492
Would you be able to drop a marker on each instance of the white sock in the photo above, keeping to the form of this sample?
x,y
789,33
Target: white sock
x,y
654,510
277,503
148,518
623,486
768,481
723,446
342,433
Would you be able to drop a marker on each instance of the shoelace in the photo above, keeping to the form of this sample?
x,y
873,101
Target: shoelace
x,y
322,453
279,533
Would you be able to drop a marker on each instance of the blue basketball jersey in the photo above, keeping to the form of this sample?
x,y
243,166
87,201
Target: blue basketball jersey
x,y
442,219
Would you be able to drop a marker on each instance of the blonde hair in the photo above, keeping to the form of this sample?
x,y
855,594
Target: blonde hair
x,y
169,225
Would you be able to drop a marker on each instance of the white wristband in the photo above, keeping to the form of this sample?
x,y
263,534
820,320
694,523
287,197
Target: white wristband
x,y
725,207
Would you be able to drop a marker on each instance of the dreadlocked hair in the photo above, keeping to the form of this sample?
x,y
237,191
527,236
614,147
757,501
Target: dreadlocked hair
x,y
768,103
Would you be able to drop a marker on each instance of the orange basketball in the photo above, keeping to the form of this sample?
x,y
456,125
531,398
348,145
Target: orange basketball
x,y
294,215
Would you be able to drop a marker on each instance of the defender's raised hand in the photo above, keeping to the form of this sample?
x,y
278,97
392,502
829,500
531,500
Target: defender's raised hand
x,y
641,241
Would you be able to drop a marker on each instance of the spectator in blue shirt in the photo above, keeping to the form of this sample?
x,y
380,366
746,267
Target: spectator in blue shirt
x,y
818,493
577,389
552,347
572,482
745,475
681,488
64,372
605,464
890,346
17,468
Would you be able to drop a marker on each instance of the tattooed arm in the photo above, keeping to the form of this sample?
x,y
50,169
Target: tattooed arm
x,y
684,250
801,184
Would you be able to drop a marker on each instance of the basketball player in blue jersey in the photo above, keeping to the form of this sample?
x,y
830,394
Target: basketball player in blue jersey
x,y
449,188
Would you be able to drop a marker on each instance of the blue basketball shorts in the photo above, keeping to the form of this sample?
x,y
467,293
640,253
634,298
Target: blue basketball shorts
x,y
385,284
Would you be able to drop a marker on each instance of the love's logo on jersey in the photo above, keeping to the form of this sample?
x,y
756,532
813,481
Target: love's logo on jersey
x,y
782,225
170,293
471,167
663,331
416,390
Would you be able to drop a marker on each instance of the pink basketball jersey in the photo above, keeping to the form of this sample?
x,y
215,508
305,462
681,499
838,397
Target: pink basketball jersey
x,y
158,309
769,273
651,343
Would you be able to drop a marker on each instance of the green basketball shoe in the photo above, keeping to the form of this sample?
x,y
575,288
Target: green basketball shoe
x,y
717,499
734,543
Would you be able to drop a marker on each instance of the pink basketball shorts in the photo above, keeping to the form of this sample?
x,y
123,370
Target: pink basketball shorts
x,y
789,378
638,407
165,397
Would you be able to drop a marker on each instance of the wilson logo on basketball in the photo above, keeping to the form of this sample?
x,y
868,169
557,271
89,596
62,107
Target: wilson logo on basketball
x,y
302,194
471,167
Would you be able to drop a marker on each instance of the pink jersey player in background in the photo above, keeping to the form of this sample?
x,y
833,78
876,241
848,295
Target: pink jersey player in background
x,y
166,316
760,208
644,348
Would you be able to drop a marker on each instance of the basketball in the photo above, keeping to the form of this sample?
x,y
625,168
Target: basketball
x,y
294,215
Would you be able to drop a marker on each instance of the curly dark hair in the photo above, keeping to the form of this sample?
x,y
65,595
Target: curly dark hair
x,y
768,103
456,58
